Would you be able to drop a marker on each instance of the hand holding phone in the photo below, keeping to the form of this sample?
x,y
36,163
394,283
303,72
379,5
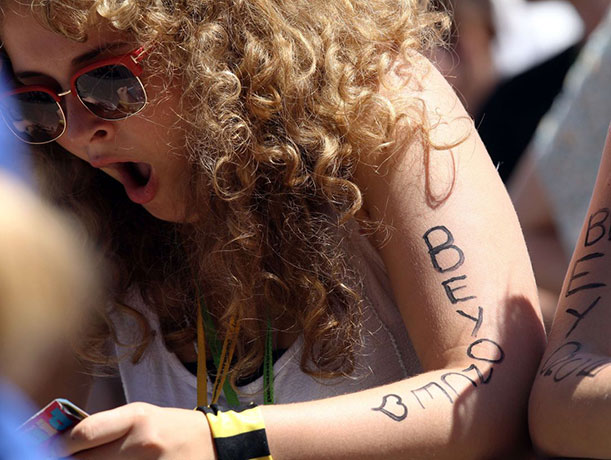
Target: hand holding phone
x,y
57,416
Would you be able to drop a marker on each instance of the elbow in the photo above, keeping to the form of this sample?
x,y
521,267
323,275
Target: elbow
x,y
508,429
498,425
570,417
549,424
504,436
540,424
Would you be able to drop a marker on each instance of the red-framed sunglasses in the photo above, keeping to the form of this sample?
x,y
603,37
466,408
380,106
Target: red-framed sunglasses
x,y
110,89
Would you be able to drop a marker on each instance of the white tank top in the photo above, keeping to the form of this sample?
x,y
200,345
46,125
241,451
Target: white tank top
x,y
387,355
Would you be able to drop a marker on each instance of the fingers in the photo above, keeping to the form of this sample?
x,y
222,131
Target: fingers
x,y
141,431
99,429
115,450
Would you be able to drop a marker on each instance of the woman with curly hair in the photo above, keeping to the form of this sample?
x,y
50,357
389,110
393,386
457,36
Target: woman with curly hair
x,y
298,213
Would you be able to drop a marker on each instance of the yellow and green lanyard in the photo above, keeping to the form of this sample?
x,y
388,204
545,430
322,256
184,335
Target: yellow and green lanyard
x,y
222,358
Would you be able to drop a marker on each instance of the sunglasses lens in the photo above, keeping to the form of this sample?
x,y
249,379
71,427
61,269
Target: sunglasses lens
x,y
35,117
111,92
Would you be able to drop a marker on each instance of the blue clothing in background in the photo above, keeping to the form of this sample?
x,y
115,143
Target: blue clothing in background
x,y
14,410
12,158
11,162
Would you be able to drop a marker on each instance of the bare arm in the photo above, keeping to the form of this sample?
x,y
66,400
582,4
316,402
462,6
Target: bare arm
x,y
569,407
462,279
465,289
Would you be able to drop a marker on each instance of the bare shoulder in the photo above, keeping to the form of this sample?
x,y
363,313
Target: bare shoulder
x,y
449,224
436,157
417,77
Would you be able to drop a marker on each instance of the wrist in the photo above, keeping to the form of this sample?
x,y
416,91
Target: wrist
x,y
208,437
237,434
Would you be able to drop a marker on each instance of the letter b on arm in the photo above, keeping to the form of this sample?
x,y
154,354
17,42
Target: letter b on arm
x,y
455,256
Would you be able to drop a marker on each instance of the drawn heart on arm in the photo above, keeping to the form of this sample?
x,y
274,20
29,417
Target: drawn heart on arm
x,y
392,405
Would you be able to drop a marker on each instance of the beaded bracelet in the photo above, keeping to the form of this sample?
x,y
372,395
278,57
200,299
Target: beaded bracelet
x,y
238,434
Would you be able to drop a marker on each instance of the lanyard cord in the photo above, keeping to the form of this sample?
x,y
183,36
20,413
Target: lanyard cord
x,y
268,366
202,378
222,360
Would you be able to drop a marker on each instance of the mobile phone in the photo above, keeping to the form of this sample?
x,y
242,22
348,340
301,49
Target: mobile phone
x,y
57,416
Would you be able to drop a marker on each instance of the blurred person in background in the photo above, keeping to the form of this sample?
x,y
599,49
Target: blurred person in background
x,y
467,61
530,32
14,405
48,282
492,41
507,120
552,184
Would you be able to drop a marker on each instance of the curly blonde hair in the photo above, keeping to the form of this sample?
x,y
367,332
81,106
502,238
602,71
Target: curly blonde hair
x,y
280,101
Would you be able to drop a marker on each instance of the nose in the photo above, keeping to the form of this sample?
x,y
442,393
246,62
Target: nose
x,y
82,126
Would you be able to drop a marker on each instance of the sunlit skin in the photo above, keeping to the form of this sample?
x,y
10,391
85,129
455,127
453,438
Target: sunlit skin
x,y
150,139
465,195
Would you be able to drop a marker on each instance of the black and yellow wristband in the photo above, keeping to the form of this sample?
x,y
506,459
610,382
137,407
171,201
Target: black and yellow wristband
x,y
238,434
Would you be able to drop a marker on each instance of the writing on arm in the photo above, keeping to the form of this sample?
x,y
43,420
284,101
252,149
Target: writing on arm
x,y
569,359
448,258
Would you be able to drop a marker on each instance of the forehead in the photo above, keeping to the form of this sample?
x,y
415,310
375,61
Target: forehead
x,y
31,46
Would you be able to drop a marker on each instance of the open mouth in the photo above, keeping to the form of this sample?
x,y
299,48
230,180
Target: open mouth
x,y
139,181
140,173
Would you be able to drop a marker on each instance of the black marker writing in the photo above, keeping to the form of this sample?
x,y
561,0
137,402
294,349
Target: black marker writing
x,y
451,290
431,396
567,368
566,361
593,369
481,345
392,406
444,379
563,353
580,316
439,240
478,320
596,227
447,245
483,380
574,276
